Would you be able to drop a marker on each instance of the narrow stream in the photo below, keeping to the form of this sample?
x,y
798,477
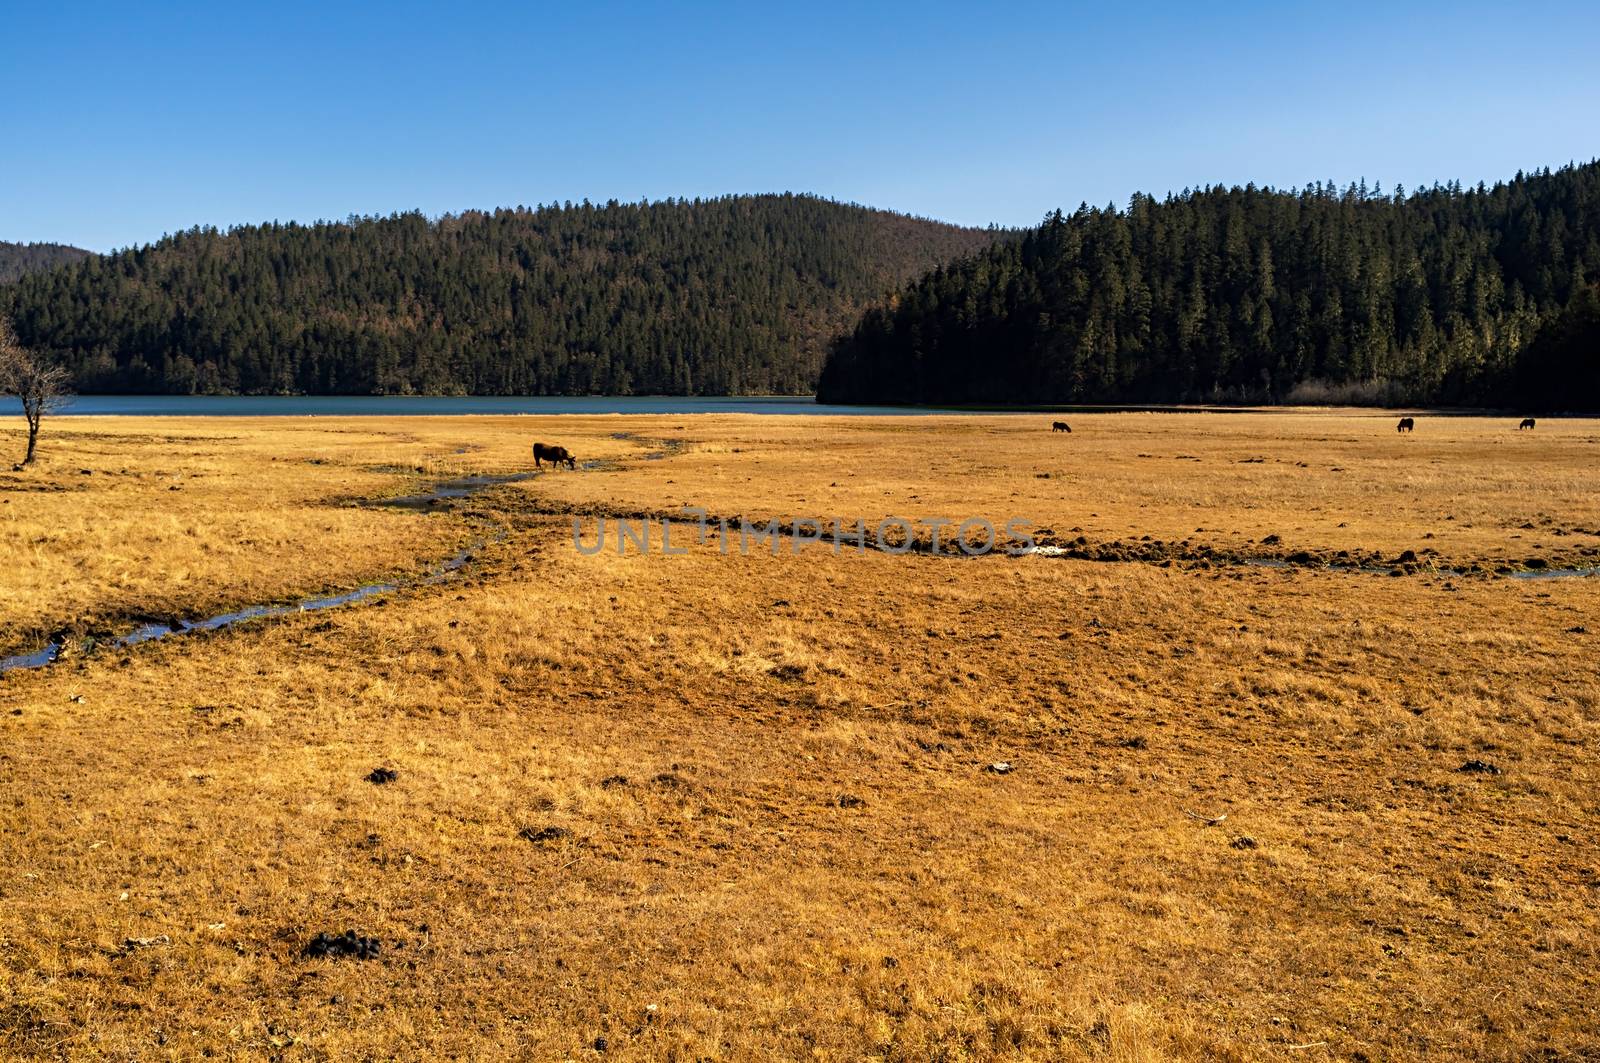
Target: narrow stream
x,y
460,487
444,490
149,632
466,486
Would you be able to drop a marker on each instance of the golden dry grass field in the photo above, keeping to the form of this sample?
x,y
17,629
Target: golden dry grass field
x,y
738,807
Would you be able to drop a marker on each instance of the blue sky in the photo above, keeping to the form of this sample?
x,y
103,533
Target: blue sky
x,y
120,122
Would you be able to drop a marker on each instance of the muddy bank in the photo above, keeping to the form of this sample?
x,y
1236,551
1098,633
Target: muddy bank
x,y
1269,553
445,491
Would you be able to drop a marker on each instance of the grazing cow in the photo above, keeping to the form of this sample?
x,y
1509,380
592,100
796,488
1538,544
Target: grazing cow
x,y
1061,426
1406,425
543,452
1527,422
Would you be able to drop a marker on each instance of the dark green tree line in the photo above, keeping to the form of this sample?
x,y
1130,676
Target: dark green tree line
x,y
1248,294
738,295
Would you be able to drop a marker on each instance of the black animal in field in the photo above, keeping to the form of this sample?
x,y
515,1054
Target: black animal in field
x,y
1527,422
1406,425
1061,426
559,456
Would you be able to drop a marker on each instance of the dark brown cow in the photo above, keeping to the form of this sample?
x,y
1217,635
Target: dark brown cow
x,y
1061,426
559,456
1527,422
1406,425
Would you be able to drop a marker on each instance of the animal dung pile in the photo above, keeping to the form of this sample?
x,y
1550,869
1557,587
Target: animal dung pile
x,y
544,835
346,944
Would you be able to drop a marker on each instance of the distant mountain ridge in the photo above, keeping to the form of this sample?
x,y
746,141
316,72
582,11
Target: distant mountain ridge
x,y
727,296
19,259
1479,296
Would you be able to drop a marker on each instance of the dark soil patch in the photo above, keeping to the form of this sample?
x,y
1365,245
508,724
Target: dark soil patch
x,y
347,944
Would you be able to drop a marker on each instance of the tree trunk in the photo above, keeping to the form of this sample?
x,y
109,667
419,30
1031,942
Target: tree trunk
x,y
33,440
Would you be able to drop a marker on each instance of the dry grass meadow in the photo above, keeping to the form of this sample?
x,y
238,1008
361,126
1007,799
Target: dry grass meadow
x,y
727,807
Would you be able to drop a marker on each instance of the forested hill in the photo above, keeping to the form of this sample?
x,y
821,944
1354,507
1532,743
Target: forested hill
x,y
738,295
1250,294
18,259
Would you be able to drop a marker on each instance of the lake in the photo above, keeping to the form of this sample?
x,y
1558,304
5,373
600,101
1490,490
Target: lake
x,y
450,406
391,406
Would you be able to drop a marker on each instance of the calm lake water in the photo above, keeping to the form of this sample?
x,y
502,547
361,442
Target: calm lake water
x,y
371,406
446,406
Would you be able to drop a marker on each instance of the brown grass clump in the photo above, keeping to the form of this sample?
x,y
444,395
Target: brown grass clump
x,y
739,807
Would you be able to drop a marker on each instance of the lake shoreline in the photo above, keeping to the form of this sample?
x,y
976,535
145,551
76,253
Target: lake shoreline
x,y
631,405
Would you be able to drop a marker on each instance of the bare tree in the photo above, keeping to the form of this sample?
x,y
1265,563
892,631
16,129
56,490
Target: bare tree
x,y
42,388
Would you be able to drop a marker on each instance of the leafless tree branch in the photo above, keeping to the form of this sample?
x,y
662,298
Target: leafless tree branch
x,y
42,389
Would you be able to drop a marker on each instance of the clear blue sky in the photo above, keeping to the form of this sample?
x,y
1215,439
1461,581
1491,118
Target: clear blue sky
x,y
120,122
